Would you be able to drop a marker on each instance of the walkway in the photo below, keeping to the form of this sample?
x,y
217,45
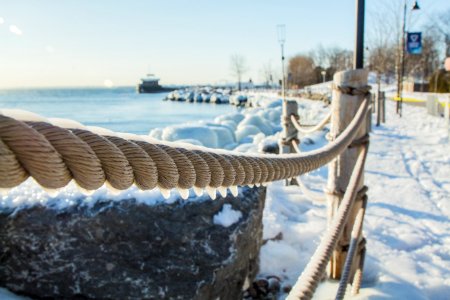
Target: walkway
x,y
407,222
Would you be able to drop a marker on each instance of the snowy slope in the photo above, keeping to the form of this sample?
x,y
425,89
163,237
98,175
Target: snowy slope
x,y
407,223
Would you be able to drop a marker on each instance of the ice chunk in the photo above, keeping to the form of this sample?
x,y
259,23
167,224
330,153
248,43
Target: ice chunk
x,y
203,134
257,121
246,130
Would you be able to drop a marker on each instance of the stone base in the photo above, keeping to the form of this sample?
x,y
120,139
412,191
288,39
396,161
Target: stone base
x,y
128,250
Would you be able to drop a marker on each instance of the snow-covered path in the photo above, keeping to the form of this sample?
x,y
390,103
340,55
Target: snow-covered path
x,y
407,223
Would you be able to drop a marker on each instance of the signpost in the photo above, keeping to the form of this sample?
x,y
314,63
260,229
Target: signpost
x,y
414,42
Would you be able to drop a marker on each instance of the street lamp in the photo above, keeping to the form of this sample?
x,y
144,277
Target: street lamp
x,y
401,70
281,31
323,75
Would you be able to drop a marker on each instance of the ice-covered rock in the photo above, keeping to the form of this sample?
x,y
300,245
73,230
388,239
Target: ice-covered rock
x,y
224,134
156,133
255,120
245,131
203,134
235,117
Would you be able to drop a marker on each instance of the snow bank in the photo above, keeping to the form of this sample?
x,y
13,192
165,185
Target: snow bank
x,y
227,216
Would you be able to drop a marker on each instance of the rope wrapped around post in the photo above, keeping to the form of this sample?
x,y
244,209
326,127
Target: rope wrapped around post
x,y
307,283
53,156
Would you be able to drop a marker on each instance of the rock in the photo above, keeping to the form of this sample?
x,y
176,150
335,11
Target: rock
x,y
271,148
128,250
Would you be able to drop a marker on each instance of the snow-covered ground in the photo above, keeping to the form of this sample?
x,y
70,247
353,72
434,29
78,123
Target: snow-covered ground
x,y
407,221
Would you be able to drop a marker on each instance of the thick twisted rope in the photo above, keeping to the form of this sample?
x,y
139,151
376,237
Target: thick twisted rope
x,y
315,128
355,235
307,283
54,156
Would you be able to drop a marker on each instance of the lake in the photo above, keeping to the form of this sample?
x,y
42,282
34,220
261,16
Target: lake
x,y
118,109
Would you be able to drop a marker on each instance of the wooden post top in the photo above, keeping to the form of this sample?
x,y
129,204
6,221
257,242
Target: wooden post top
x,y
354,78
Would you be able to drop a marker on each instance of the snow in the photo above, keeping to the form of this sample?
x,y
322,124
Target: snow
x,y
227,216
31,193
407,224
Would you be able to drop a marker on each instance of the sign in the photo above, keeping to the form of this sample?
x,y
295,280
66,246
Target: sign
x,y
414,42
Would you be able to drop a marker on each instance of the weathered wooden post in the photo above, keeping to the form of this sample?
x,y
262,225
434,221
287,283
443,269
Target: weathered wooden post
x,y
344,107
289,133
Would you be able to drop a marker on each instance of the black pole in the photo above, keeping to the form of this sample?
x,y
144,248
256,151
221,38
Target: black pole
x,y
358,57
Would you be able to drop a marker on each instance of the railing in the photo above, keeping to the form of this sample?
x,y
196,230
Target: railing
x,y
54,155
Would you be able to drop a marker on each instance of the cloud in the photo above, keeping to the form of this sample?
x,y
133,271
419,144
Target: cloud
x,y
14,29
2,20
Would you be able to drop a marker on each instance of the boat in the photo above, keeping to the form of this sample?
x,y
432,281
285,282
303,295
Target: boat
x,y
150,84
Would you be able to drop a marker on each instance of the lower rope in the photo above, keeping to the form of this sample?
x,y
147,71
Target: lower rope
x,y
308,281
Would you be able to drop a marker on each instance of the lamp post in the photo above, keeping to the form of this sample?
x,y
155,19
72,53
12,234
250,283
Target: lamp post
x,y
281,31
323,75
358,57
401,69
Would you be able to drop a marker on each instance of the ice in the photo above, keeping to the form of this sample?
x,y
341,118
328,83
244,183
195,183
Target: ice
x,y
222,191
22,115
234,190
65,123
156,133
198,191
258,121
184,193
212,192
236,118
227,216
225,135
246,130
203,134
101,131
165,193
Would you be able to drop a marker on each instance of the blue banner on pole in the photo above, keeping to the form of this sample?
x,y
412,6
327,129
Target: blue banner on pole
x,y
414,42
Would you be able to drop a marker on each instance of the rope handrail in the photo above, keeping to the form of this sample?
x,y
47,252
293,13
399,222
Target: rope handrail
x,y
54,156
307,283
317,127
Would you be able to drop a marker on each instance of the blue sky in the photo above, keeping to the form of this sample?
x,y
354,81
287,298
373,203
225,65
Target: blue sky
x,y
85,42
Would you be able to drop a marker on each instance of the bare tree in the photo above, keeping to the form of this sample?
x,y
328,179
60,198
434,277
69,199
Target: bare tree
x,y
301,70
267,73
238,66
442,25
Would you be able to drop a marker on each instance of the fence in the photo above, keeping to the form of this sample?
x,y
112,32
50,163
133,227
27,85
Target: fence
x,y
54,155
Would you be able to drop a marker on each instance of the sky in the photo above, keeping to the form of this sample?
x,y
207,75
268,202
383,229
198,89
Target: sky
x,y
49,43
